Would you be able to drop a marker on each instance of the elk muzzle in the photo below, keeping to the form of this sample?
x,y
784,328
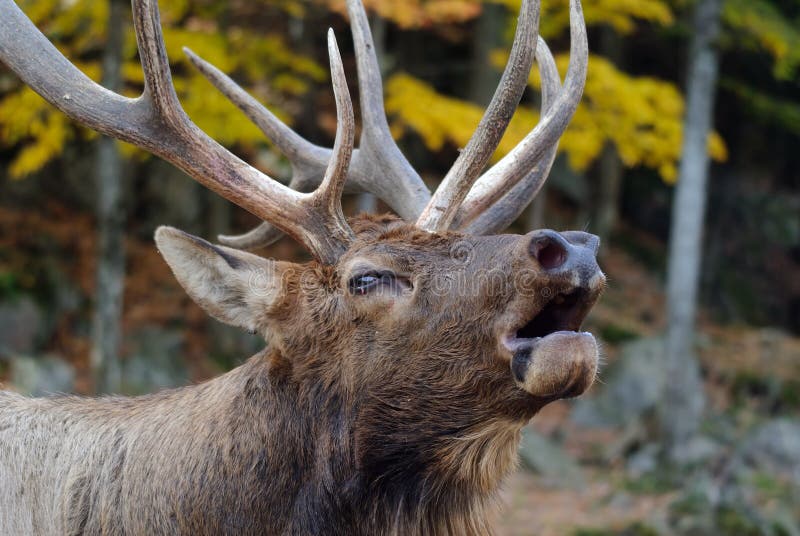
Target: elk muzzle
x,y
551,357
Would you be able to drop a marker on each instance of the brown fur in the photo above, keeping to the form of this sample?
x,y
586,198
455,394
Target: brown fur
x,y
381,414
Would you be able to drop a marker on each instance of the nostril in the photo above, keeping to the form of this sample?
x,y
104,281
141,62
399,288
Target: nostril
x,y
550,252
551,256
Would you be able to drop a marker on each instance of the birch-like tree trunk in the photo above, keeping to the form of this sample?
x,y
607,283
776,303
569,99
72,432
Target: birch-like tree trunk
x,y
683,400
107,322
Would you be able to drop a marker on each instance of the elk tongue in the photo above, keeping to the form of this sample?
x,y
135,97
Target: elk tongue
x,y
560,365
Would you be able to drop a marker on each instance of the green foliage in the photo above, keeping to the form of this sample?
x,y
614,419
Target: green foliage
x,y
731,521
766,108
760,24
654,483
616,334
38,132
9,286
771,393
622,15
691,503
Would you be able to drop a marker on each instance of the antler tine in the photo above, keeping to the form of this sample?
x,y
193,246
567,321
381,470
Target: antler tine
x,y
441,209
539,145
156,122
329,194
476,216
379,158
307,159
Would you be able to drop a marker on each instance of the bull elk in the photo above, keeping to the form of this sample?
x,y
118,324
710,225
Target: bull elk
x,y
401,362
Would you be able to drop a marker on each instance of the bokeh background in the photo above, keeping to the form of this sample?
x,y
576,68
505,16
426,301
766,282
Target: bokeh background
x,y
694,427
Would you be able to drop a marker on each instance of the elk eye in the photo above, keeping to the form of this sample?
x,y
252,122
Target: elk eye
x,y
363,283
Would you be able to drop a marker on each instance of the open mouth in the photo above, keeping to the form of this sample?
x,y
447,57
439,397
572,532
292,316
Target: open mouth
x,y
564,312
551,358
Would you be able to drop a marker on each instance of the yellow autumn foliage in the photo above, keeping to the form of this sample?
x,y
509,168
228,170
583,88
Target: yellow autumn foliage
x,y
622,15
26,116
39,132
409,14
414,105
641,116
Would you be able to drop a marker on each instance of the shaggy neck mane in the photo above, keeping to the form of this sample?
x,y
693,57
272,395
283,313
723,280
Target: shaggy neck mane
x,y
372,465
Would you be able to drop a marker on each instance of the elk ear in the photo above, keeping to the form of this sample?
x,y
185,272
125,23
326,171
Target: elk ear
x,y
233,286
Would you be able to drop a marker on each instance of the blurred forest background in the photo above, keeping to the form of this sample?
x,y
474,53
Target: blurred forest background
x,y
694,428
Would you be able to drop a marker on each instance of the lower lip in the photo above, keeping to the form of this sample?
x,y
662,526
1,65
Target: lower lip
x,y
515,344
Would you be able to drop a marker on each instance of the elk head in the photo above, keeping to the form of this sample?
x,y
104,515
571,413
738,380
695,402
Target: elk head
x,y
426,315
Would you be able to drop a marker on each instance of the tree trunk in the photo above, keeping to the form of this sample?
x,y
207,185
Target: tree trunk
x,y
683,399
487,38
610,185
107,322
610,167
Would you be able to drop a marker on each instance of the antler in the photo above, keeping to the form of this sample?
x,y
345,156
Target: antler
x,y
441,209
501,194
532,158
378,166
156,122
505,210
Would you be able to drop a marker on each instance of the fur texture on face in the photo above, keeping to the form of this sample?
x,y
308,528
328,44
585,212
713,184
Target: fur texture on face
x,y
385,403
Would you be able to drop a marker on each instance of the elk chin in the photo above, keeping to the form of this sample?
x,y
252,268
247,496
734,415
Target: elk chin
x,y
558,365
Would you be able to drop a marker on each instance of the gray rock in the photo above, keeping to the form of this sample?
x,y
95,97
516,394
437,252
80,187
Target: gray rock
x,y
42,375
644,460
698,449
21,324
632,387
548,459
775,447
155,361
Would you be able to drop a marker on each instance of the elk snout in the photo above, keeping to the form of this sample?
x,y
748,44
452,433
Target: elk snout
x,y
552,358
570,253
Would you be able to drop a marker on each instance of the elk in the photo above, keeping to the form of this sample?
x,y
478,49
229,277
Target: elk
x,y
401,362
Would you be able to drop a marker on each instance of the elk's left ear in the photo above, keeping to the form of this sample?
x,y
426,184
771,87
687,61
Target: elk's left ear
x,y
233,286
